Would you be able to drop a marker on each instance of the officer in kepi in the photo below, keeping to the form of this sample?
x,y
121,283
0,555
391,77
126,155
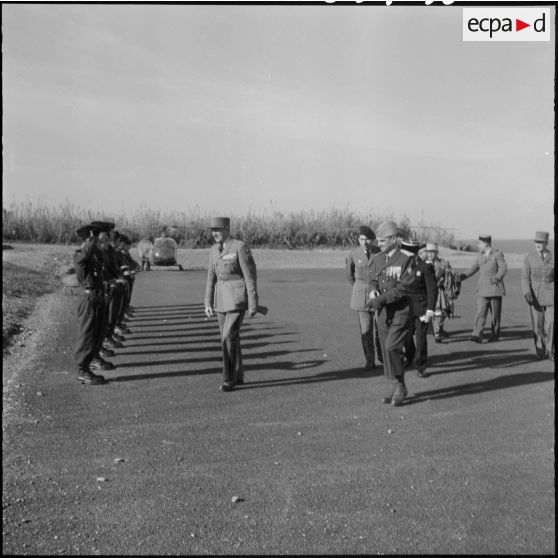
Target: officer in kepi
x,y
423,292
537,284
91,306
231,291
392,276
357,272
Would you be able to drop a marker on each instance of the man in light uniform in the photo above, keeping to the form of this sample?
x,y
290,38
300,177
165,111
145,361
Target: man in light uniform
x,y
231,290
357,271
537,284
441,267
490,288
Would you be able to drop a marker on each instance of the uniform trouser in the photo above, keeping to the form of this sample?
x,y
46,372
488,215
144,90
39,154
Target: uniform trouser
x,y
117,292
229,325
369,336
438,324
417,353
90,328
393,329
544,327
494,304
123,302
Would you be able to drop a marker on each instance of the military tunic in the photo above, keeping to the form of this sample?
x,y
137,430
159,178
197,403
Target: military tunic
x,y
537,278
231,289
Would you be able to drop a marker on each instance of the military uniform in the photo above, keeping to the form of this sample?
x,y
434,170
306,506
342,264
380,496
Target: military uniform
x,y
423,292
490,289
357,272
231,289
391,276
537,284
441,267
91,308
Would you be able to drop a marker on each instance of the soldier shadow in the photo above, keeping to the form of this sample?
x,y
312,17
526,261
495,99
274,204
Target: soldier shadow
x,y
190,337
501,382
472,360
508,333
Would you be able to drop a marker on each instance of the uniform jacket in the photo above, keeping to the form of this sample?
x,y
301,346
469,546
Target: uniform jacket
x,y
423,289
537,277
231,278
88,266
392,277
357,271
491,265
110,263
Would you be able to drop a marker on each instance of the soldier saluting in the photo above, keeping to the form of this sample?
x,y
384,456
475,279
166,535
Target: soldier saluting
x,y
391,277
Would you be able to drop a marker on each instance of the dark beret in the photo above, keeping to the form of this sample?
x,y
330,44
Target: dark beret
x,y
366,231
104,226
83,232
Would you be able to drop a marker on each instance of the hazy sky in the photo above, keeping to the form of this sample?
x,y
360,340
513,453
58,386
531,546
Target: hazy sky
x,y
237,108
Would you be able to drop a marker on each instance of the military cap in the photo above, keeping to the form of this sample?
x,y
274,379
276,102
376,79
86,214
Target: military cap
x,y
387,228
541,236
83,232
104,226
412,246
431,247
485,238
220,223
363,230
123,238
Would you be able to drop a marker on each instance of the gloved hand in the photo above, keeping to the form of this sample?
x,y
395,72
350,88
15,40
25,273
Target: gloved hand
x,y
208,311
429,314
252,312
529,298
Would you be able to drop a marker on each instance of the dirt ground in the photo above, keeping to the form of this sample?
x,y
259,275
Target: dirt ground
x,y
302,459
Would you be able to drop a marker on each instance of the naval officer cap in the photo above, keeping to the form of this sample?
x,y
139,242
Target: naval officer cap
x,y
411,245
83,232
485,238
541,236
363,230
103,226
220,223
386,229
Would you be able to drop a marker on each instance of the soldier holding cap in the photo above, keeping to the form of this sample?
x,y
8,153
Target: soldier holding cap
x,y
357,271
490,288
423,292
391,277
537,284
231,290
91,307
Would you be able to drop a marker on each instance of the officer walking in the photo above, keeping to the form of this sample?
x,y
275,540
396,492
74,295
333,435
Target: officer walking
x,y
423,291
537,284
91,306
490,288
231,290
357,271
391,278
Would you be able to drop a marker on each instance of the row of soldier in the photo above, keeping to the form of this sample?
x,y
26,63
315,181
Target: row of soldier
x,y
400,288
105,270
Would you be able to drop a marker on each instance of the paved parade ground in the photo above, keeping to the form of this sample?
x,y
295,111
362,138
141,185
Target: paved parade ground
x,y
302,459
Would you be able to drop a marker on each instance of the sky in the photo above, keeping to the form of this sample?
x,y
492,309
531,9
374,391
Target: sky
x,y
230,109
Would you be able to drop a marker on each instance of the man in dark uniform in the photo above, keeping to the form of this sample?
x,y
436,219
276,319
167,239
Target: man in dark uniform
x,y
423,291
231,290
130,267
357,271
91,306
392,276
